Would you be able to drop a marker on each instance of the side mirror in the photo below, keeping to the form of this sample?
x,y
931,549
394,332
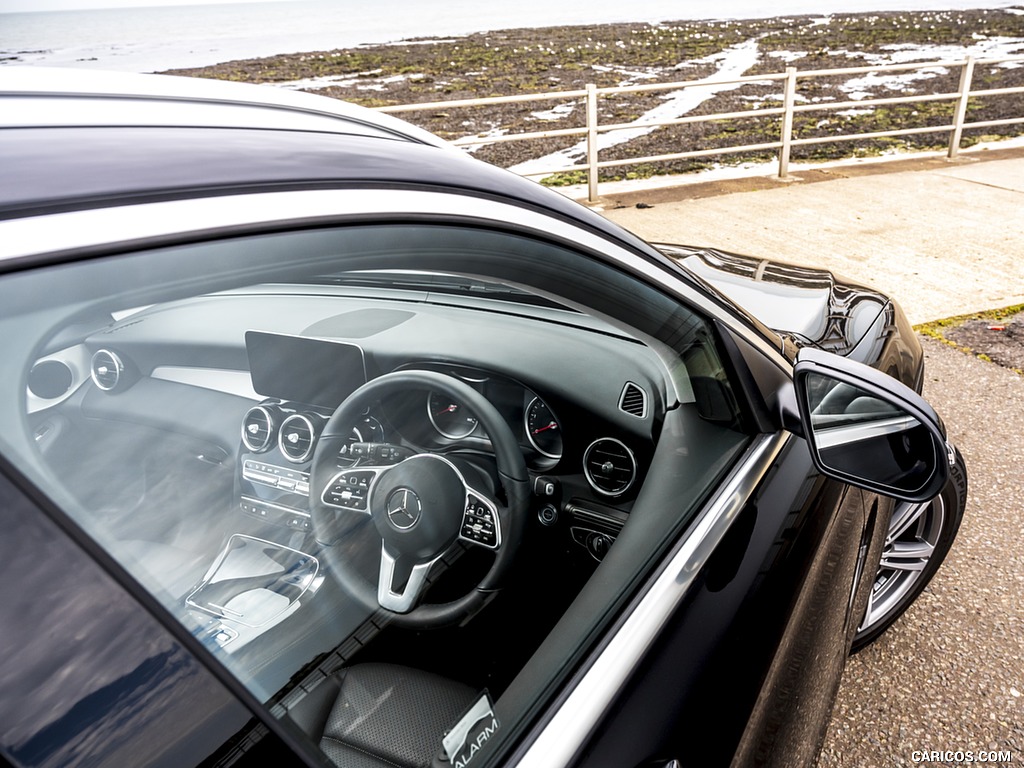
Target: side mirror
x,y
867,429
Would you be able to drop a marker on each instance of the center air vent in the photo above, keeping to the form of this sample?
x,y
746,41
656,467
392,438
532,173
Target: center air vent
x,y
107,369
609,466
297,437
258,429
633,400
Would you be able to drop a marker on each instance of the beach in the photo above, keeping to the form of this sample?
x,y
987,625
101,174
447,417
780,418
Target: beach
x,y
522,61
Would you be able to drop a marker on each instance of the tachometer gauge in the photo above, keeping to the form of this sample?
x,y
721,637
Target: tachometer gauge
x,y
543,430
450,417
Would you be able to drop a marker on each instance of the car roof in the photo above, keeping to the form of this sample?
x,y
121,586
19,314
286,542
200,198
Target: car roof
x,y
80,139
43,96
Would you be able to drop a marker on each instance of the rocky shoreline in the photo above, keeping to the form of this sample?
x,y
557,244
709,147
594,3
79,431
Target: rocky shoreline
x,y
523,61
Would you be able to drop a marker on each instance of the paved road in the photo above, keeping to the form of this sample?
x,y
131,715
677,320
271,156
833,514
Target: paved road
x,y
945,239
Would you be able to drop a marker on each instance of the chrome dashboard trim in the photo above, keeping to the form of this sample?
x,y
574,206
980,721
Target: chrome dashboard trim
x,y
590,477
313,438
78,360
218,379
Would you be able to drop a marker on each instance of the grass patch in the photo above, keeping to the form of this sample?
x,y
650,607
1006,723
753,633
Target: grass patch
x,y
940,331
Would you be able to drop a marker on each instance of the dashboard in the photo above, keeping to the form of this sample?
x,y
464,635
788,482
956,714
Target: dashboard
x,y
247,379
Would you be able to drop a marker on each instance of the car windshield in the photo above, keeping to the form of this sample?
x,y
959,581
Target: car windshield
x,y
343,447
455,285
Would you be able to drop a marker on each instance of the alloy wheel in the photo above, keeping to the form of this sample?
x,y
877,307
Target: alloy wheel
x,y
914,535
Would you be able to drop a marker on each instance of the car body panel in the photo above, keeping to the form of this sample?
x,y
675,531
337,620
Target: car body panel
x,y
717,593
121,98
813,306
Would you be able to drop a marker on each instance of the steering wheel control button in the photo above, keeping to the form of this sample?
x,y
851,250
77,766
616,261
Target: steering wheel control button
x,y
480,523
350,490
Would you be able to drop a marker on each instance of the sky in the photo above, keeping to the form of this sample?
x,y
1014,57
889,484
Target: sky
x,y
8,6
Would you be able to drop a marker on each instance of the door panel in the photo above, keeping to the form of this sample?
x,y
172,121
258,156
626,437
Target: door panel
x,y
774,598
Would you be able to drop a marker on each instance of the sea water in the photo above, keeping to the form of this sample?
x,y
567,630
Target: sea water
x,y
150,39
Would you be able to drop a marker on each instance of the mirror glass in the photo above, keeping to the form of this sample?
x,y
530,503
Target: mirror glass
x,y
862,436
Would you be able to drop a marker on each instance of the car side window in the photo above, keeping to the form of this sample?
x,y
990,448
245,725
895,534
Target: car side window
x,y
353,462
90,677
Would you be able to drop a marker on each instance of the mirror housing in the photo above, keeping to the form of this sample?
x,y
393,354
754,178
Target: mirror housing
x,y
868,429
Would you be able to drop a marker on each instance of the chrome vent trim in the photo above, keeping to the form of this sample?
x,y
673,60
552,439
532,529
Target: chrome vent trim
x,y
610,466
106,369
633,400
296,438
258,429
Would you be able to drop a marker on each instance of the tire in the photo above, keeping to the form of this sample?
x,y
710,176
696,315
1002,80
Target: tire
x,y
919,537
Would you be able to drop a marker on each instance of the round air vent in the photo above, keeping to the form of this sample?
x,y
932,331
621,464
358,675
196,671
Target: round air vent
x,y
50,379
609,466
106,370
297,438
258,428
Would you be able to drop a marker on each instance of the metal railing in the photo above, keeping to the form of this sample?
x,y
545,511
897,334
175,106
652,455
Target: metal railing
x,y
789,109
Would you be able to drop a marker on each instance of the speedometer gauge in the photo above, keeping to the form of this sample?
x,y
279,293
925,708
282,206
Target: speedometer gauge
x,y
450,417
543,430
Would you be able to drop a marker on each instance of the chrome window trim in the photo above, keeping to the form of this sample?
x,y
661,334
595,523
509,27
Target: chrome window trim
x,y
224,380
579,713
231,214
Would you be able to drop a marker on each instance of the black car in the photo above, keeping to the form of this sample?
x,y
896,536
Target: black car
x,y
322,443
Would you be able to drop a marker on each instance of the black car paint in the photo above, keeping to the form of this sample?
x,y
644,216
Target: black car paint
x,y
778,589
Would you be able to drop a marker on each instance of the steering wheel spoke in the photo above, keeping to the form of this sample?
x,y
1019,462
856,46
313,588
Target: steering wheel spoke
x,y
400,583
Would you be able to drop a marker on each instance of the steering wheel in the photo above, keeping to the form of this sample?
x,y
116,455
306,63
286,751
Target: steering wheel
x,y
420,506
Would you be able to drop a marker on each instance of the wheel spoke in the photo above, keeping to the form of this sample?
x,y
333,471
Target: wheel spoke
x,y
907,555
904,517
869,612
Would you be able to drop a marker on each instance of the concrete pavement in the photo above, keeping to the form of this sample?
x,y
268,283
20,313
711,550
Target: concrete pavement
x,y
944,238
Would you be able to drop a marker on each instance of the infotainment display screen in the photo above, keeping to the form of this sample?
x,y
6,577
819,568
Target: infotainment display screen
x,y
313,371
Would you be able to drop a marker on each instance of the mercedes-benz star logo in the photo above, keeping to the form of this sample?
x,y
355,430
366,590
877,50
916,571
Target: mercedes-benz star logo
x,y
404,509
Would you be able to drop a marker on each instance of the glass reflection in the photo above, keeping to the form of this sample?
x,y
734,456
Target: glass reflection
x,y
862,436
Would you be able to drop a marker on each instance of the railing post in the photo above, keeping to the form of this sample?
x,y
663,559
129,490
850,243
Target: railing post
x,y
592,170
787,122
966,75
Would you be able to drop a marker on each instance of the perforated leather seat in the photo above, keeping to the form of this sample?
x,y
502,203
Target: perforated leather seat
x,y
383,715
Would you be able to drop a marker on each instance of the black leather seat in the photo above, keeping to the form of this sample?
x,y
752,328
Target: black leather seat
x,y
383,715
